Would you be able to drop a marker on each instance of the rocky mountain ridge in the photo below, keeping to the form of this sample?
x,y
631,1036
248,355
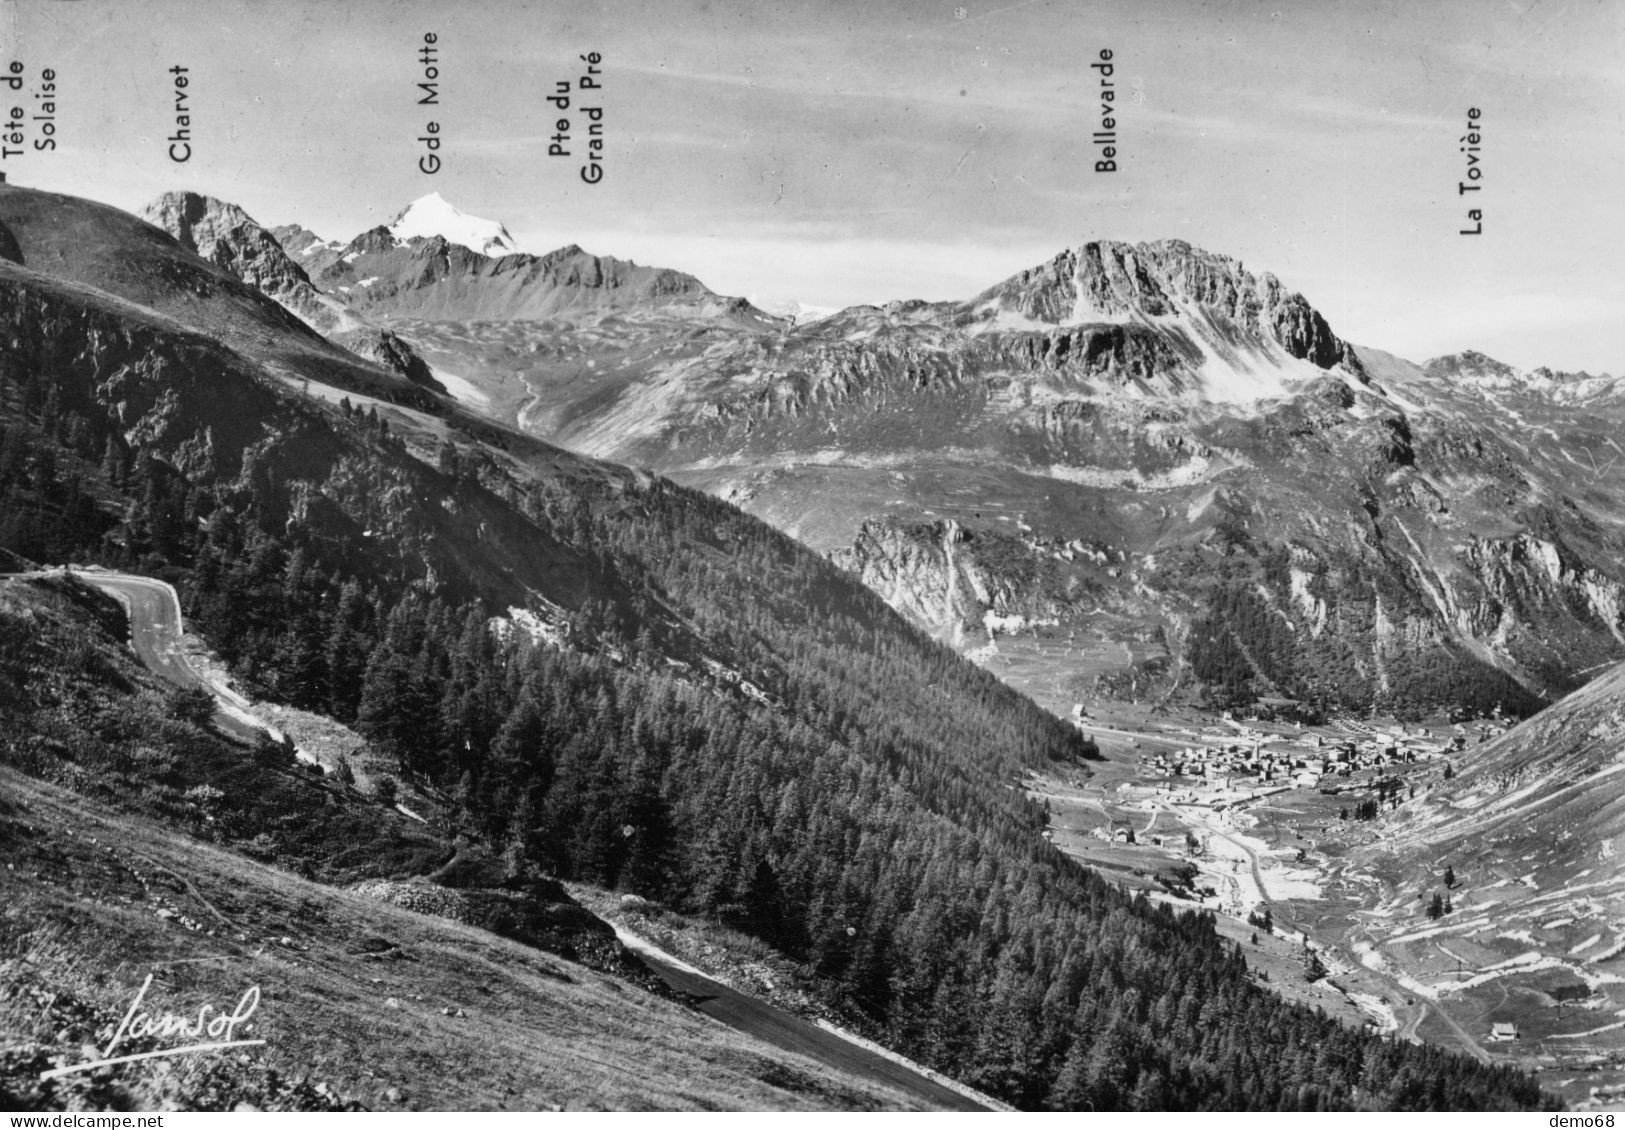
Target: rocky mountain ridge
x,y
225,235
1193,423
1472,369
1114,281
423,266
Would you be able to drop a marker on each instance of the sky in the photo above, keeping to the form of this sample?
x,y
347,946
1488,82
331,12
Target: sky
x,y
836,153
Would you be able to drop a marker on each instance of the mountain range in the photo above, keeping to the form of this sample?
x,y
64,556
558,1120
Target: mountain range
x,y
1134,469
478,555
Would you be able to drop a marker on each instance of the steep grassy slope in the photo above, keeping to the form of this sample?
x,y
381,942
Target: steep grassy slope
x,y
77,240
1531,822
362,1005
214,415
1520,843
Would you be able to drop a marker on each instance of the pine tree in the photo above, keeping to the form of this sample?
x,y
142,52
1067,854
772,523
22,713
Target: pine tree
x,y
516,857
1313,967
386,791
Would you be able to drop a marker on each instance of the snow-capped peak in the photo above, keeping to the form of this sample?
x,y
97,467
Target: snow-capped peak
x,y
430,216
801,313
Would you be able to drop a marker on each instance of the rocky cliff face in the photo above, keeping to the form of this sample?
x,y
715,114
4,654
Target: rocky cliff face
x,y
934,574
391,351
1365,556
1537,601
1340,622
225,235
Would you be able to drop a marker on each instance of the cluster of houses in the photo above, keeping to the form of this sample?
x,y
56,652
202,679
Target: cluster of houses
x,y
1275,761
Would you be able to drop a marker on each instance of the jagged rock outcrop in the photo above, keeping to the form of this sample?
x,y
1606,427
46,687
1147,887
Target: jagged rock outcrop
x,y
228,237
373,241
1472,366
391,351
299,241
1528,576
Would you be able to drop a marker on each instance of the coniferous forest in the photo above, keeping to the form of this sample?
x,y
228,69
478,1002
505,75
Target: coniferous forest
x,y
724,723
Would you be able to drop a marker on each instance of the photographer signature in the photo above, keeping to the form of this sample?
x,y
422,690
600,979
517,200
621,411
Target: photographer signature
x,y
220,1028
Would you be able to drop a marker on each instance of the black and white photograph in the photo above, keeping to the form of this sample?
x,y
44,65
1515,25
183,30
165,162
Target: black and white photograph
x,y
574,556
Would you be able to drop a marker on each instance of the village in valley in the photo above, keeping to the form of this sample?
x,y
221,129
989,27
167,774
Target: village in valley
x,y
1237,763
1283,831
1196,808
1226,764
1252,818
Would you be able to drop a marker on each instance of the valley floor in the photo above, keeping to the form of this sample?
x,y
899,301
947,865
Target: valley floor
x,y
1519,951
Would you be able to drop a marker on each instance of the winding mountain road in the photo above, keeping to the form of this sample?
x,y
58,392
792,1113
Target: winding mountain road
x,y
155,635
154,611
782,1029
155,624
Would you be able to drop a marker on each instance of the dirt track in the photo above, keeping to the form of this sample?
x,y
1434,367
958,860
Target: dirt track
x,y
783,1030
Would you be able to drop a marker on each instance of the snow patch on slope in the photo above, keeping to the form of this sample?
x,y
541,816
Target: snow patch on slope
x,y
799,312
461,388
